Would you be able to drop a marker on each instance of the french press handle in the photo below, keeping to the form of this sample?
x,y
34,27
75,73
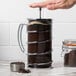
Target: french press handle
x,y
20,29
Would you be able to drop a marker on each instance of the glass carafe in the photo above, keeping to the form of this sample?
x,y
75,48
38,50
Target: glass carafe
x,y
39,34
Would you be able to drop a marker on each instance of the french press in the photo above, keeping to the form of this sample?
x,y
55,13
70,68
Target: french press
x,y
39,34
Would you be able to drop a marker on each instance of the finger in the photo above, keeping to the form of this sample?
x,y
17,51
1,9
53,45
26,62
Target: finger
x,y
45,3
40,4
51,7
57,6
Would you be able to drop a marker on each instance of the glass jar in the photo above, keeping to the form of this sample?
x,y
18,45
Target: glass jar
x,y
69,50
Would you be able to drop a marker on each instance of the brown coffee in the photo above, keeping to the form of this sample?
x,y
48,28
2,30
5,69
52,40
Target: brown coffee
x,y
36,27
41,60
39,43
37,36
39,47
72,58
66,59
39,24
24,71
44,58
32,48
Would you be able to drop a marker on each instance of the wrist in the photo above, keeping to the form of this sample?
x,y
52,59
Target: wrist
x,y
75,1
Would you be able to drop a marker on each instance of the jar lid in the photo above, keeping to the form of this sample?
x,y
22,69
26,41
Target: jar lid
x,y
69,42
69,45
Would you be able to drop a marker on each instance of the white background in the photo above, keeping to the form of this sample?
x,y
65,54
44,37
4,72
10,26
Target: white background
x,y
14,12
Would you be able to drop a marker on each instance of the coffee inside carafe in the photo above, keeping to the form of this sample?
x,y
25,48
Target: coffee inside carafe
x,y
40,43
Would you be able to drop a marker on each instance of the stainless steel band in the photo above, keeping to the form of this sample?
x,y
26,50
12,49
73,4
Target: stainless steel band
x,y
36,22
40,63
38,42
40,53
37,31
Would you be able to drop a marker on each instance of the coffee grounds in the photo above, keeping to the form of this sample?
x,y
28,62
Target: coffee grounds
x,y
24,71
66,59
72,58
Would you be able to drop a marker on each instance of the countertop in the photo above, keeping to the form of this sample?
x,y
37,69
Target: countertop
x,y
56,71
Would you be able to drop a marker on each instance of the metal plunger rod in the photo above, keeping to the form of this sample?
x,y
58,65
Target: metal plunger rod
x,y
40,12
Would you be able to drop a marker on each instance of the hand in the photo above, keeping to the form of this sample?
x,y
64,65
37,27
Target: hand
x,y
54,4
